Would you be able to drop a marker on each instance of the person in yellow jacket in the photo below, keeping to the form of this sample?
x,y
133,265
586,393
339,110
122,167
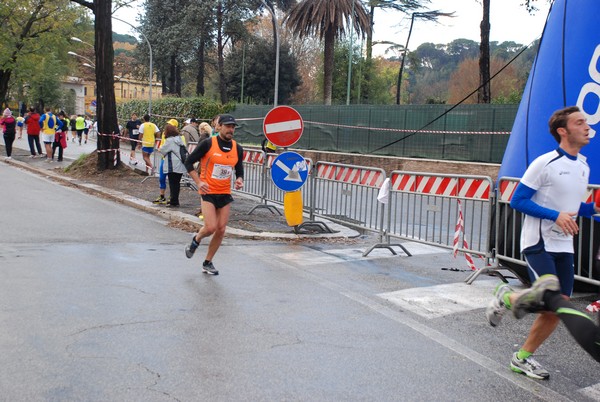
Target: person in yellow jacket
x,y
49,123
79,127
148,131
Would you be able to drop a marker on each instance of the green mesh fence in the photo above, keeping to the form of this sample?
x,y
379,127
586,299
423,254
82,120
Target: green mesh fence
x,y
476,133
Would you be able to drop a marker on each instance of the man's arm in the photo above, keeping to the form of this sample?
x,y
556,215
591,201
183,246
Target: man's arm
x,y
239,169
521,201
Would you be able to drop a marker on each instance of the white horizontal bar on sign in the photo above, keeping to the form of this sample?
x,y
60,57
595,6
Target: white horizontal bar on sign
x,y
283,126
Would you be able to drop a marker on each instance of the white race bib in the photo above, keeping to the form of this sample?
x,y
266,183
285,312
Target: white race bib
x,y
222,172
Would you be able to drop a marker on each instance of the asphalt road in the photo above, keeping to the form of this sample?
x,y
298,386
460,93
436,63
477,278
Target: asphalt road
x,y
99,303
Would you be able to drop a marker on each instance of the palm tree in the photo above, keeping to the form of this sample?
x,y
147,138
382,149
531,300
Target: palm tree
x,y
329,20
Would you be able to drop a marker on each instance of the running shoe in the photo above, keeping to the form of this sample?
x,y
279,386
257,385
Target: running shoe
x,y
530,367
160,200
496,308
531,300
190,249
209,269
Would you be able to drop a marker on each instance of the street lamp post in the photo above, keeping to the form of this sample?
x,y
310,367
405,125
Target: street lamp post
x,y
74,39
350,55
428,16
82,57
150,49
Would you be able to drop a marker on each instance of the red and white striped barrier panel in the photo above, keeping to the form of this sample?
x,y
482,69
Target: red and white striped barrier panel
x,y
463,187
350,174
252,156
507,187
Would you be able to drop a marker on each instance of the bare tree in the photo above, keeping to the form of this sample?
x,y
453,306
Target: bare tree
x,y
106,105
484,95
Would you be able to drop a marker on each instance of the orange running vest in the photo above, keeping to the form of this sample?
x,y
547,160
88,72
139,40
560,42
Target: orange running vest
x,y
218,166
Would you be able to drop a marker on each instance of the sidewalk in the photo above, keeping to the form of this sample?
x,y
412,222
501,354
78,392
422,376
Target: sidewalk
x,y
137,190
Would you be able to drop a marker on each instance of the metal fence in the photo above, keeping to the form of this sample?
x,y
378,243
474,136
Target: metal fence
x,y
422,207
347,194
426,208
506,242
460,212
466,133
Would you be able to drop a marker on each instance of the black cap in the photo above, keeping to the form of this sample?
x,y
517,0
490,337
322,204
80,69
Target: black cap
x,y
225,119
193,120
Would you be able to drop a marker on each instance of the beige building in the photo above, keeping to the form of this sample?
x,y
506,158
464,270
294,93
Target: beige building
x,y
126,89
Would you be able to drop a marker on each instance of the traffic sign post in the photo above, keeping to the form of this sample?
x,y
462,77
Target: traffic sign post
x,y
283,126
289,171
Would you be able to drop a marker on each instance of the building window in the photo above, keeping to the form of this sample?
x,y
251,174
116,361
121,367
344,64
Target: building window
x,y
84,91
135,93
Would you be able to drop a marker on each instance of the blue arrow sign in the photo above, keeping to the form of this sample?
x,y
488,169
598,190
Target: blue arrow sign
x,y
289,171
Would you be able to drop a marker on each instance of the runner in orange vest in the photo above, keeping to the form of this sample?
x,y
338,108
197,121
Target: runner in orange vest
x,y
219,157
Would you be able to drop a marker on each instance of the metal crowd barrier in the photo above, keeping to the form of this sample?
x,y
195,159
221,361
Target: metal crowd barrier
x,y
425,208
347,194
186,179
255,179
507,232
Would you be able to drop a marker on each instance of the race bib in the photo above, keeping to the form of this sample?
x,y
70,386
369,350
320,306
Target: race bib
x,y
222,172
135,132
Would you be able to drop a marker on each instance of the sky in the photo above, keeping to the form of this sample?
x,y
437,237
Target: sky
x,y
509,22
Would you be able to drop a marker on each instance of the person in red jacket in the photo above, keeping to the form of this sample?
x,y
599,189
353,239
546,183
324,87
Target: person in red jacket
x,y
9,125
32,121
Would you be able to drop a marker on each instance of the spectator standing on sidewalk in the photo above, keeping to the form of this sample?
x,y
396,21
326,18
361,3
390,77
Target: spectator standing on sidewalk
x,y
20,124
32,121
8,124
60,138
48,123
219,157
205,130
190,131
133,130
149,131
162,177
214,123
172,166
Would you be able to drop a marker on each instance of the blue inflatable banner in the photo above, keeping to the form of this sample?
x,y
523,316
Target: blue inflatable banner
x,y
565,72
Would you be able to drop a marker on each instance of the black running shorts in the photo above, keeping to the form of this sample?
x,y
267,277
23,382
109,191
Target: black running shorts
x,y
218,200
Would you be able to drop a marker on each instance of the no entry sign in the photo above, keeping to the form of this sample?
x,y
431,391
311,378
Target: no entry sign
x,y
283,126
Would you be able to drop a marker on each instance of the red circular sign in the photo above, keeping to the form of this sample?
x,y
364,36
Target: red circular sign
x,y
283,126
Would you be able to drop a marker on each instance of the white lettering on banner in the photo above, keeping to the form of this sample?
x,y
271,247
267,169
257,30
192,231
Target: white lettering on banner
x,y
591,88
